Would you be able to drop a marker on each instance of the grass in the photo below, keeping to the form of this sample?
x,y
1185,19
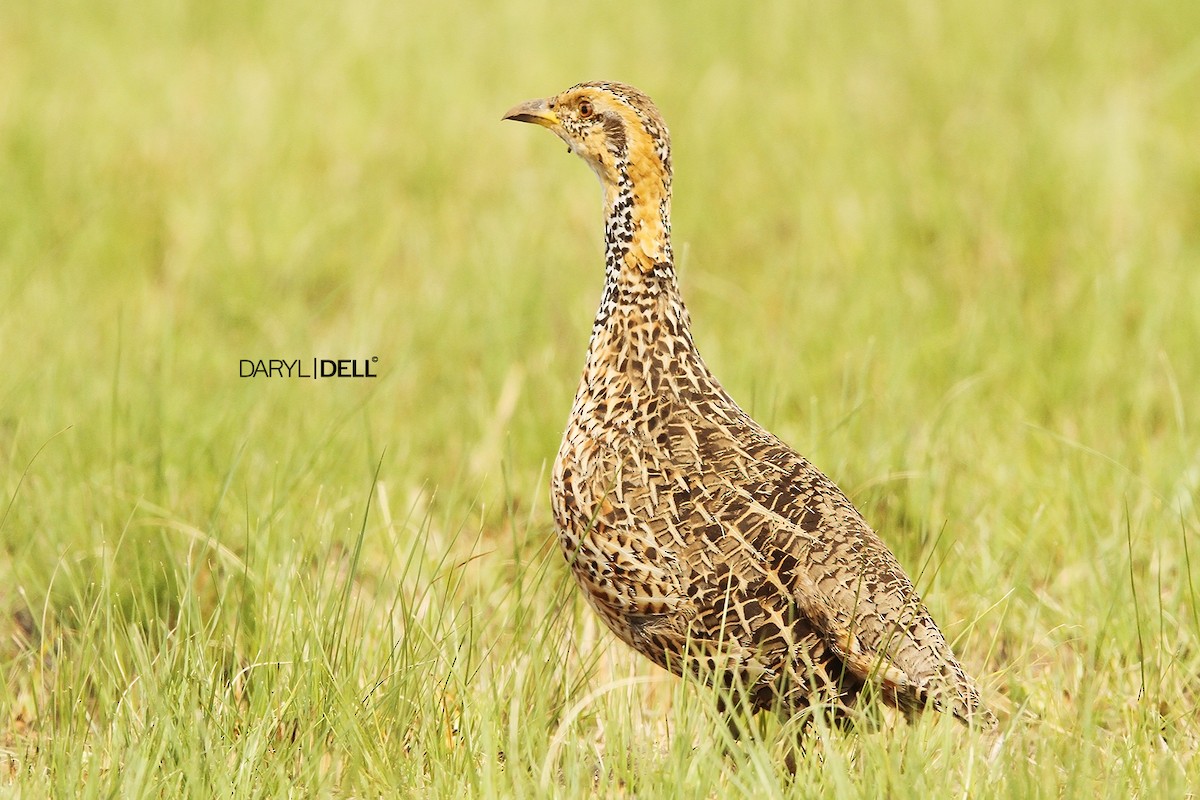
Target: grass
x,y
949,251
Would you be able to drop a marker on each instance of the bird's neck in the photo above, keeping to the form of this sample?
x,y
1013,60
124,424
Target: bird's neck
x,y
642,318
638,263
637,222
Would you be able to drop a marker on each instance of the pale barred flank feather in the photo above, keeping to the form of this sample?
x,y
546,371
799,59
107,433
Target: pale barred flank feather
x,y
695,533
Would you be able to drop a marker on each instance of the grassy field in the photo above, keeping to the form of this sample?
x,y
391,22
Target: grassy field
x,y
950,251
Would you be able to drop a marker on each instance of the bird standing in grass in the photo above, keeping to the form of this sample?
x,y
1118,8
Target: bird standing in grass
x,y
702,540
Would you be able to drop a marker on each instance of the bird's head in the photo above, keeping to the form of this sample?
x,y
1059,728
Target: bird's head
x,y
615,128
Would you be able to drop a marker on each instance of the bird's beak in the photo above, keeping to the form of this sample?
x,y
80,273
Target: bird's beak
x,y
536,111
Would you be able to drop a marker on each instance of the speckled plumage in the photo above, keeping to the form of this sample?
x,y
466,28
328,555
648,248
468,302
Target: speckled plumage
x,y
699,537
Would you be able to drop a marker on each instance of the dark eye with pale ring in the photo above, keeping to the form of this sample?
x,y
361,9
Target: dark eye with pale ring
x,y
585,109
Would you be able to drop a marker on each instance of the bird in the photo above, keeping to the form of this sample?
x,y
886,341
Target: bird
x,y
702,540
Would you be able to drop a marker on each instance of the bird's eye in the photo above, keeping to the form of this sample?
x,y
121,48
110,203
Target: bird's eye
x,y
585,109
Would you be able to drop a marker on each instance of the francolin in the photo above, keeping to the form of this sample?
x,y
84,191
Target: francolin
x,y
702,540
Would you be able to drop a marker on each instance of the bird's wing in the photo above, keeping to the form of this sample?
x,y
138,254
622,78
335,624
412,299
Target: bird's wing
x,y
776,518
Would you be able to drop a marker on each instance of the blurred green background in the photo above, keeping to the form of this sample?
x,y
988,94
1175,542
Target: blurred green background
x,y
950,251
